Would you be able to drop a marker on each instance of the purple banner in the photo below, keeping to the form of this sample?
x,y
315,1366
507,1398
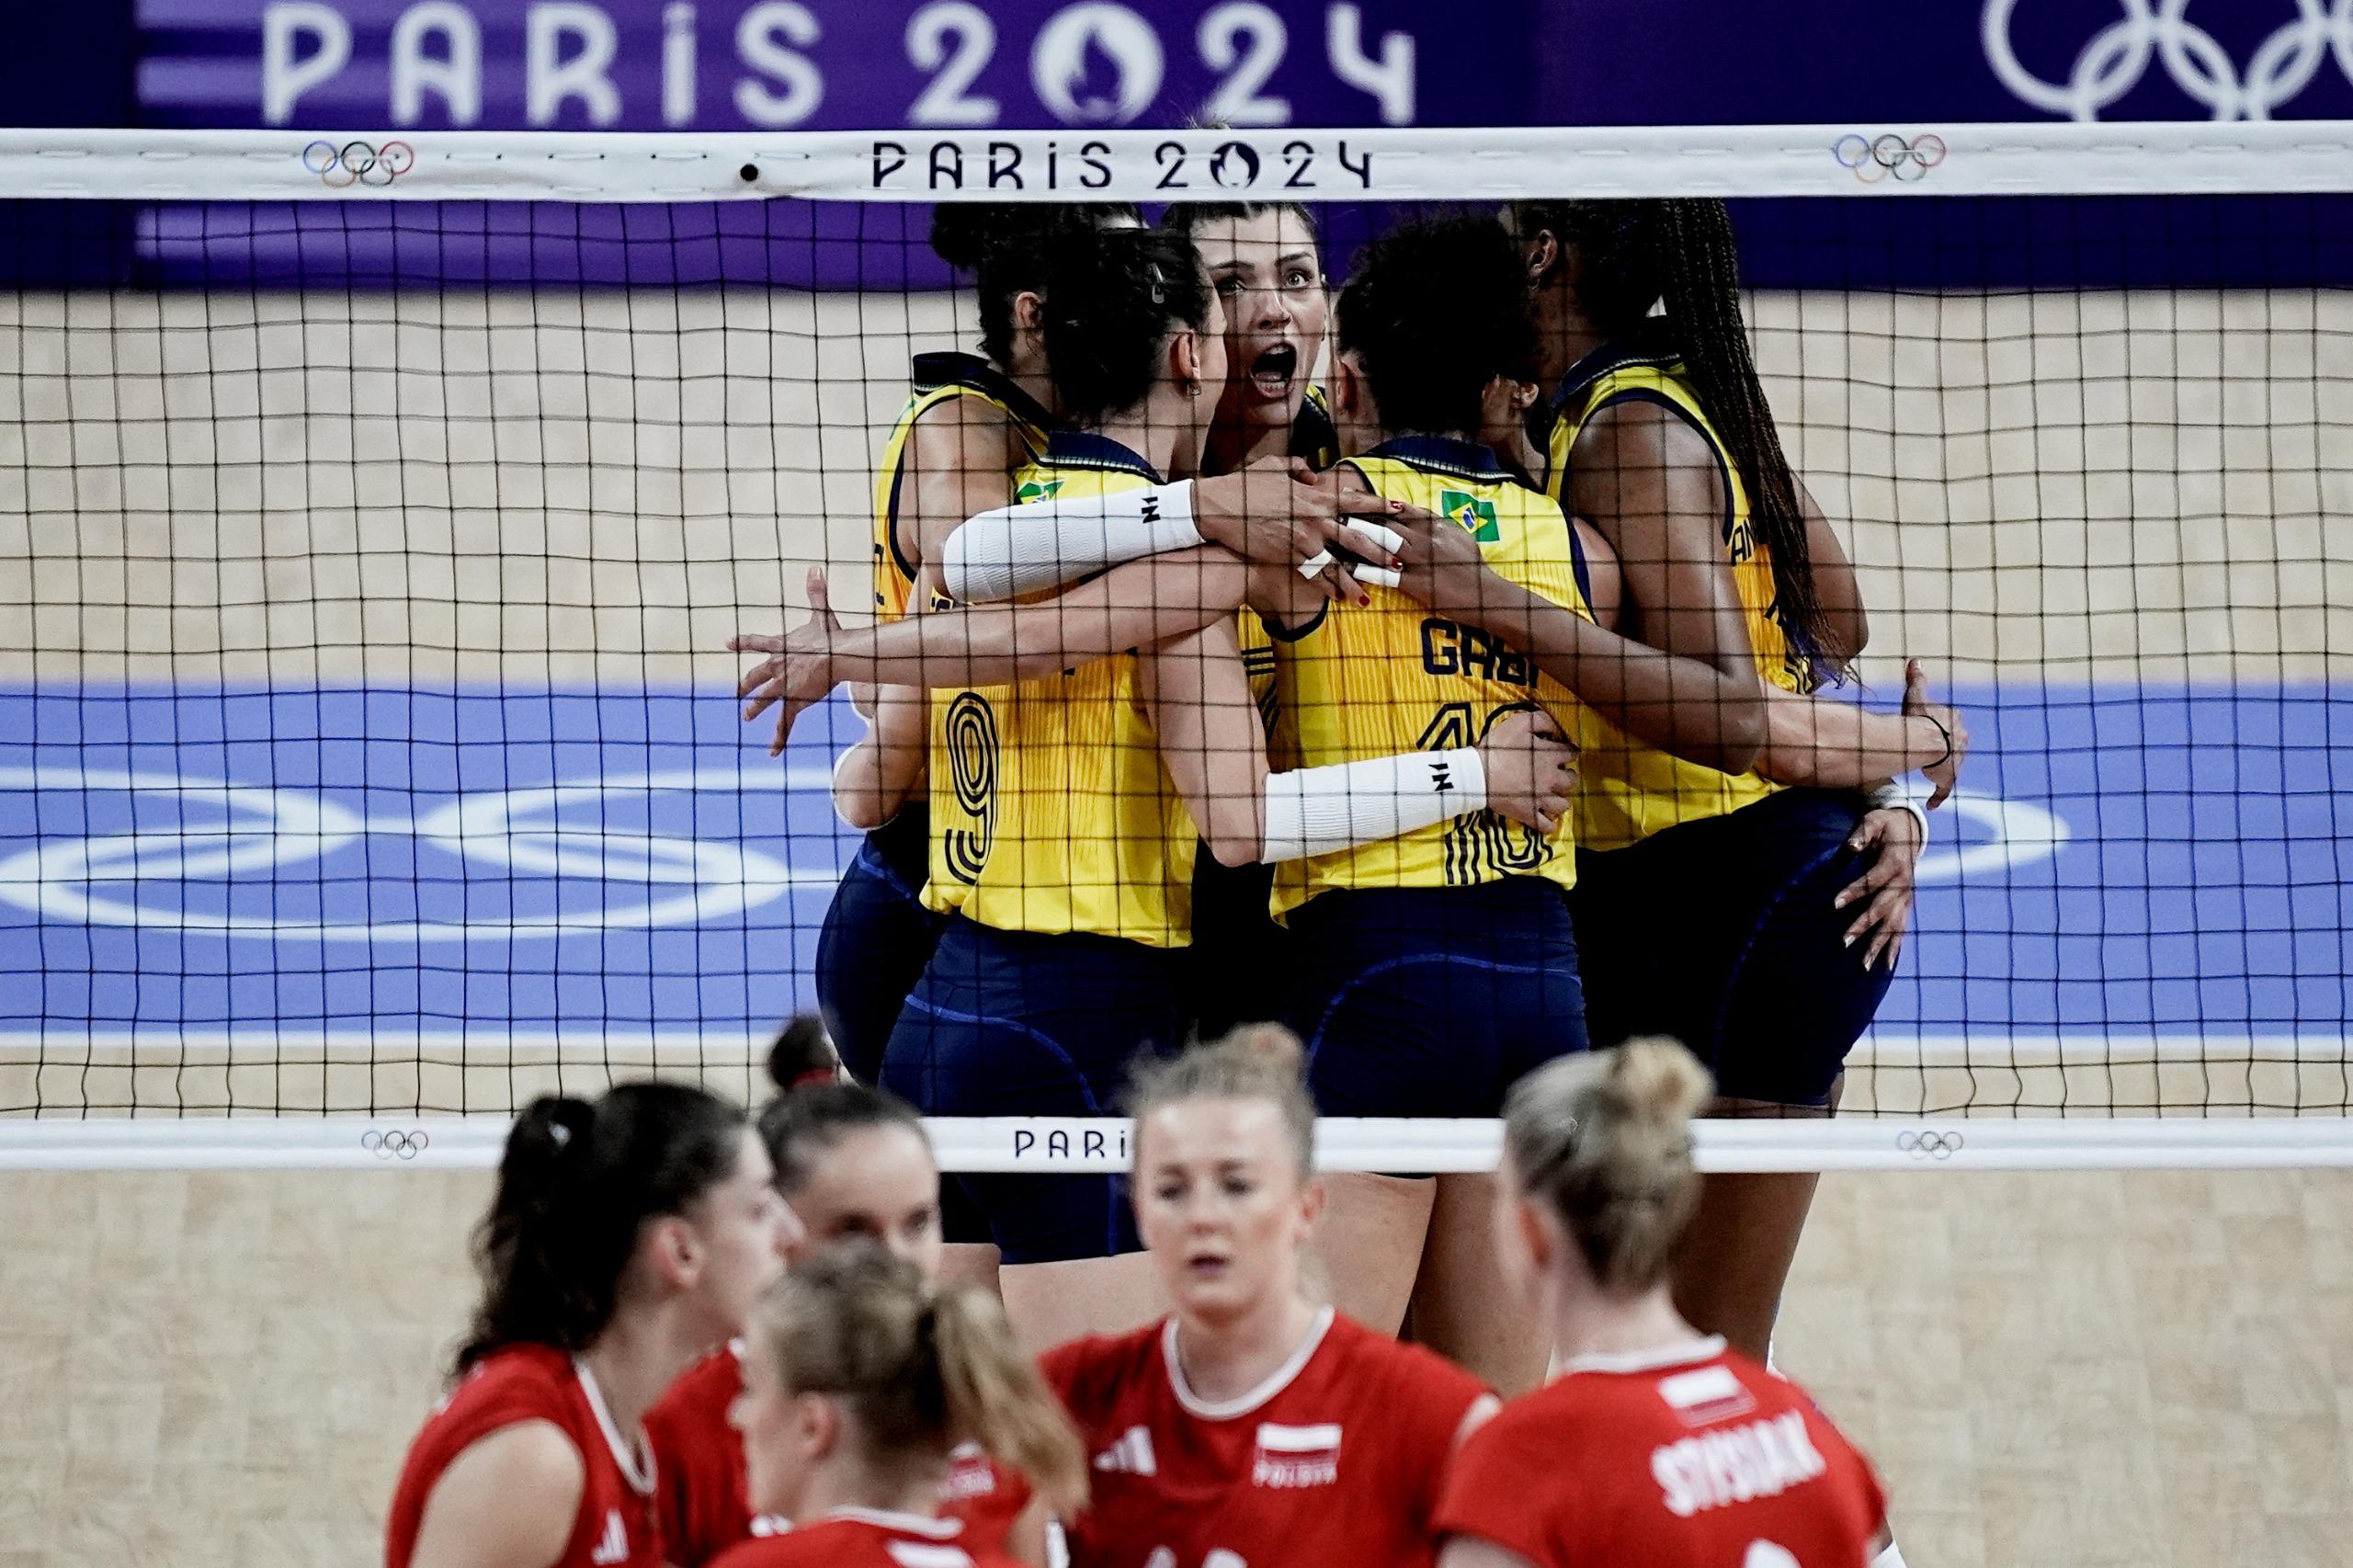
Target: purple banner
x,y
826,64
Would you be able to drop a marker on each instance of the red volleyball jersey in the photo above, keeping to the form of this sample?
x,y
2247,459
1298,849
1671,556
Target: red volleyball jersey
x,y
867,1538
1335,1462
616,1525
702,1498
1694,1459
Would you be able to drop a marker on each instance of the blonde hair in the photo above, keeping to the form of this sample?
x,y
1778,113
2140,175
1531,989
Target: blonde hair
x,y
920,1369
1256,1062
1604,1140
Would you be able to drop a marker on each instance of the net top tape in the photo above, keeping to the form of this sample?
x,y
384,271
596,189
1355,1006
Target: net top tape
x,y
1042,1144
1395,164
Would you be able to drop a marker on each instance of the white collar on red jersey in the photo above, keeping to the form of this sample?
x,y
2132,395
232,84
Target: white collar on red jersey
x,y
925,1525
635,1458
1242,1404
1689,1353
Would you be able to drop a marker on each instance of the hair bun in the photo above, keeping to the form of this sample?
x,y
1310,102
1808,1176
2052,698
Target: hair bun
x,y
803,1056
962,231
1662,1083
1270,1043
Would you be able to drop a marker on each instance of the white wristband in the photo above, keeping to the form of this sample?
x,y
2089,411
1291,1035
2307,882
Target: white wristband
x,y
1316,811
1893,795
1022,550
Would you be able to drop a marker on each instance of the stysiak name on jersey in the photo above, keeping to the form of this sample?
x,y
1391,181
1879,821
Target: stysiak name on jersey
x,y
1763,1459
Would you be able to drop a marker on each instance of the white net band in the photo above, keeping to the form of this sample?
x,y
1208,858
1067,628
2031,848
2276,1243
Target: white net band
x,y
1389,164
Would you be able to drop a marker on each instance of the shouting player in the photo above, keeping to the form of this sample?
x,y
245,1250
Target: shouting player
x,y
860,1379
1252,1425
857,1167
1654,1448
628,1236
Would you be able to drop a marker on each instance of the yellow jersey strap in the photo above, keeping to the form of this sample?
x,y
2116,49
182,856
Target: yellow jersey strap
x,y
1315,439
1086,450
950,370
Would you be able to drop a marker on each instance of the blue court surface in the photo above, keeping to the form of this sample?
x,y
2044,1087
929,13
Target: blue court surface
x,y
381,862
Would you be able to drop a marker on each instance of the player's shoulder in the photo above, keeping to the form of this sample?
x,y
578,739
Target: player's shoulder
x,y
785,1550
531,1379
1088,1371
1359,1355
709,1385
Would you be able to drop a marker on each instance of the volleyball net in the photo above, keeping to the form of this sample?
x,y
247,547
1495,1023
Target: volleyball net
x,y
375,510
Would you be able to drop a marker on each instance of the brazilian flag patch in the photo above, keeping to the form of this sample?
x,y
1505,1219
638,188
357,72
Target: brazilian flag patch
x,y
1477,516
1035,490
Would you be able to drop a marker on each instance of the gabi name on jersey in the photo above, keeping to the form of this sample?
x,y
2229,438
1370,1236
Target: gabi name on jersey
x,y
1763,1459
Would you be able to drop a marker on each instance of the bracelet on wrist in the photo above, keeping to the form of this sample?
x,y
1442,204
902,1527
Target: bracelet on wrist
x,y
1945,735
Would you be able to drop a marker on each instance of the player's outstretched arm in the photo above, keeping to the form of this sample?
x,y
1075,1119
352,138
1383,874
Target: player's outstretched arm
x,y
1813,740
1277,512
1142,604
1215,749
1684,706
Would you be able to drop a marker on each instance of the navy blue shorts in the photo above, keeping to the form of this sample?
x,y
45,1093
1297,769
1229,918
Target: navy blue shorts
x,y
875,939
1239,956
1720,933
1432,1001
1012,1023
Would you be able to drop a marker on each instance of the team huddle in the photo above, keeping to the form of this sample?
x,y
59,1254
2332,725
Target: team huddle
x,y
1407,692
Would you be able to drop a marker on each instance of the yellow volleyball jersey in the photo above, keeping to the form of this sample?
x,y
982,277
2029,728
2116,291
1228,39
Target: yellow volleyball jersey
x,y
937,378
1627,789
1051,810
1369,681
1313,437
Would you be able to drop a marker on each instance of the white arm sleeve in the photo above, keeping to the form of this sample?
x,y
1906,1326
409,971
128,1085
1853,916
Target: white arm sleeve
x,y
1044,544
1316,811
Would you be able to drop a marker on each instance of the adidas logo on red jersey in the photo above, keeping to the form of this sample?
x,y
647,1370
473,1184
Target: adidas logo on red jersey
x,y
1132,1455
1296,1456
613,1545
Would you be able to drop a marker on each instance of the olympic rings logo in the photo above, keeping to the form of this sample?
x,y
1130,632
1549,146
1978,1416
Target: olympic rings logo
x,y
543,847
358,163
2113,62
1931,1145
1875,158
396,1144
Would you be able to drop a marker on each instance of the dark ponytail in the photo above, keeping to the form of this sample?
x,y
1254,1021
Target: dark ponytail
x,y
812,1109
1003,245
1111,300
1628,255
804,1056
578,1181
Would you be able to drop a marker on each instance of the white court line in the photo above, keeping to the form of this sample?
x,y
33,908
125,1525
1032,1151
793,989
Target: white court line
x,y
490,1047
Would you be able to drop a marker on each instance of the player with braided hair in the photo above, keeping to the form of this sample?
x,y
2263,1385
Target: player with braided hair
x,y
1659,432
